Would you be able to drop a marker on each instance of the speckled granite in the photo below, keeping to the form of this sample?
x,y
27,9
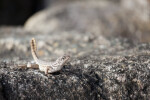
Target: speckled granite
x,y
99,69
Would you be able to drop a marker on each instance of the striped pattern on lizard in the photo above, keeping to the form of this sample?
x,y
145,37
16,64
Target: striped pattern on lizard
x,y
48,67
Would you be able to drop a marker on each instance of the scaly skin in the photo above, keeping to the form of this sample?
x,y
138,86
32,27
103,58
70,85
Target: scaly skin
x,y
48,67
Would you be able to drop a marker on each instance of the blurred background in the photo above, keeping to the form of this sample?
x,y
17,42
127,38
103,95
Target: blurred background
x,y
108,41
127,18
82,20
17,12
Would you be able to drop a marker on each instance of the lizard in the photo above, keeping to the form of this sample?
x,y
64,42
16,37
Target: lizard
x,y
47,67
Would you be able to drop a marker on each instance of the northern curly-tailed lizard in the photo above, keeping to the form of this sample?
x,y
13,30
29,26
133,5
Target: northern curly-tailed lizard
x,y
47,67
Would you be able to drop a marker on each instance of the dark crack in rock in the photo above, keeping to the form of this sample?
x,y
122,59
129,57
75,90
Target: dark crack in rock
x,y
1,90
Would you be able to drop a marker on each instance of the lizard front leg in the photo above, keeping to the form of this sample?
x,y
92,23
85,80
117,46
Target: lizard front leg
x,y
46,70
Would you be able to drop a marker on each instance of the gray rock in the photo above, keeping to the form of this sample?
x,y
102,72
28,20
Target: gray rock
x,y
99,17
73,16
99,69
93,76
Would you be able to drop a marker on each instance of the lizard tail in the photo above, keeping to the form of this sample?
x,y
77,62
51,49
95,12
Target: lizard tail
x,y
34,49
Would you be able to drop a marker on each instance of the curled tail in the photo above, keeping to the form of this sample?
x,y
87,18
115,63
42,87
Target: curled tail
x,y
34,49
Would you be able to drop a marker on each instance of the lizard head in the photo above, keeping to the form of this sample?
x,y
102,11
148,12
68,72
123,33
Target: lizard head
x,y
63,59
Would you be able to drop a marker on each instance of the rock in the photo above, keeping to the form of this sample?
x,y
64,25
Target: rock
x,y
99,17
66,16
138,8
94,76
49,46
137,17
100,68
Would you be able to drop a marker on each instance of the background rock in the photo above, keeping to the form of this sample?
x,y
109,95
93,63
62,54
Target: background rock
x,y
98,17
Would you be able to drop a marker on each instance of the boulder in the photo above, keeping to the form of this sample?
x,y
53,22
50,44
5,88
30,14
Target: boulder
x,y
99,17
100,68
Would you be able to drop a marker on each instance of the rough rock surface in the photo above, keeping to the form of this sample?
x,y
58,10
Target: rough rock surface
x,y
99,69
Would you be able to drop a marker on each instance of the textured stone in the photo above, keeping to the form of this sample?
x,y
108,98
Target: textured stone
x,y
104,77
115,68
